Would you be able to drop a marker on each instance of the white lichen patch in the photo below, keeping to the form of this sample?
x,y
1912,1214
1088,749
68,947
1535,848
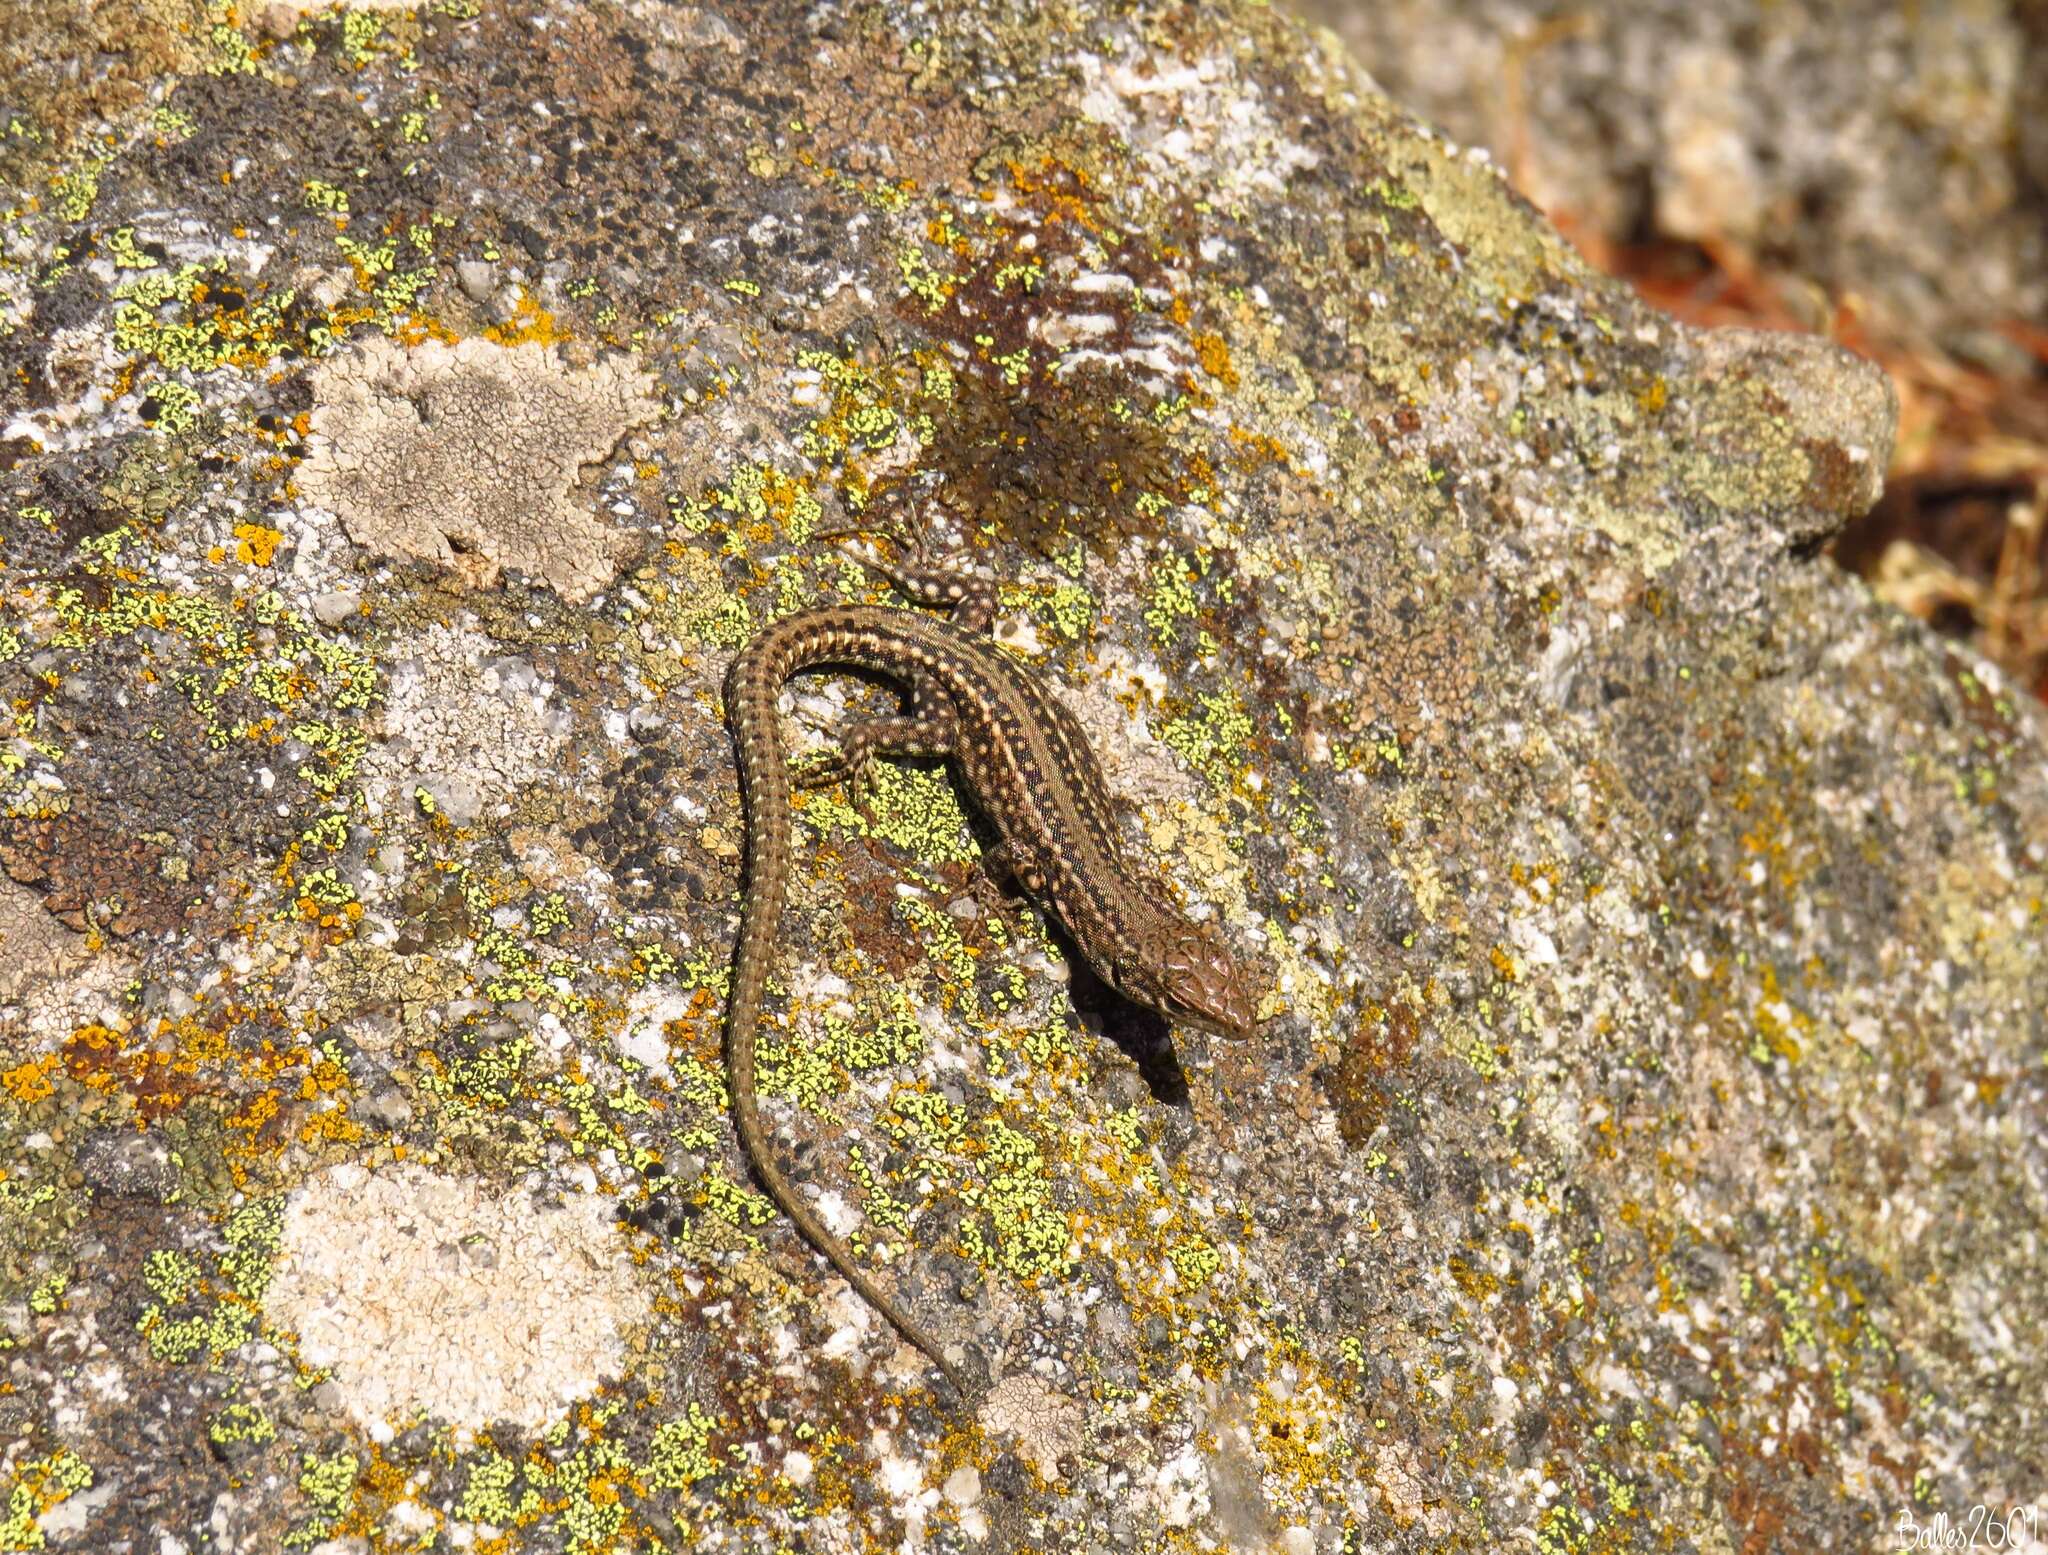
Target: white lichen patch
x,y
1205,117
470,452
281,16
51,981
1046,1425
454,1295
34,947
464,722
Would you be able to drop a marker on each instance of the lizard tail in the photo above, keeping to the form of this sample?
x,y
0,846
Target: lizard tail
x,y
751,691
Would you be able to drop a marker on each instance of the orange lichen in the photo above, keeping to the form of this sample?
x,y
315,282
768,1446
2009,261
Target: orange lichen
x,y
529,321
30,1082
256,544
1214,355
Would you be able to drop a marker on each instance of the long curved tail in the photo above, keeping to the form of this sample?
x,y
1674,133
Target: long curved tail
x,y
751,692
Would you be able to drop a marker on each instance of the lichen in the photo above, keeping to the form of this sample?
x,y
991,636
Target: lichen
x,y
679,1454
466,721
402,1281
1330,488
329,1483
436,451
40,1485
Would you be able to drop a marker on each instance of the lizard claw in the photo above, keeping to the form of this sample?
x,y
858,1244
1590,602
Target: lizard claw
x,y
895,532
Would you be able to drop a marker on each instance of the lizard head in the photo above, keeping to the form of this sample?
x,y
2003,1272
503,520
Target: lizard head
x,y
1192,977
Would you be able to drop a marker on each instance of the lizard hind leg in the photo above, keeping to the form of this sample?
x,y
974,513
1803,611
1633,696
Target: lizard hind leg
x,y
971,599
1000,863
930,728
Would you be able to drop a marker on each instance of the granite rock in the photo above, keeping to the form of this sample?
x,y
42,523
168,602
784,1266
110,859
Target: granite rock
x,y
1893,155
1644,1147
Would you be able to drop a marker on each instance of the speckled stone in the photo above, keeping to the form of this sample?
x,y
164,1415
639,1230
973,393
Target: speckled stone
x,y
1644,1146
1894,155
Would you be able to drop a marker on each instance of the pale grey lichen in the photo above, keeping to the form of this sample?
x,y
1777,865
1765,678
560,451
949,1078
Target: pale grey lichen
x,y
1044,1423
436,450
1208,115
50,979
427,1291
465,723
34,946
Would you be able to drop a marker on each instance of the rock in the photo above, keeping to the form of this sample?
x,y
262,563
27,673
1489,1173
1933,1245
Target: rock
x,y
1893,155
646,725
388,1105
1643,1141
1008,1477
335,607
127,1165
477,279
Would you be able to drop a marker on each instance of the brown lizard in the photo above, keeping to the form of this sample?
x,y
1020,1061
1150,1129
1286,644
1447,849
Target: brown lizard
x,y
1027,766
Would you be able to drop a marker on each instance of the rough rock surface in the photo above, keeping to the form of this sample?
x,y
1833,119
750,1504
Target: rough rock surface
x,y
1646,1148
1898,153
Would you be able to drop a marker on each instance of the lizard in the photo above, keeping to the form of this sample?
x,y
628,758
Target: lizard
x,y
1029,769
